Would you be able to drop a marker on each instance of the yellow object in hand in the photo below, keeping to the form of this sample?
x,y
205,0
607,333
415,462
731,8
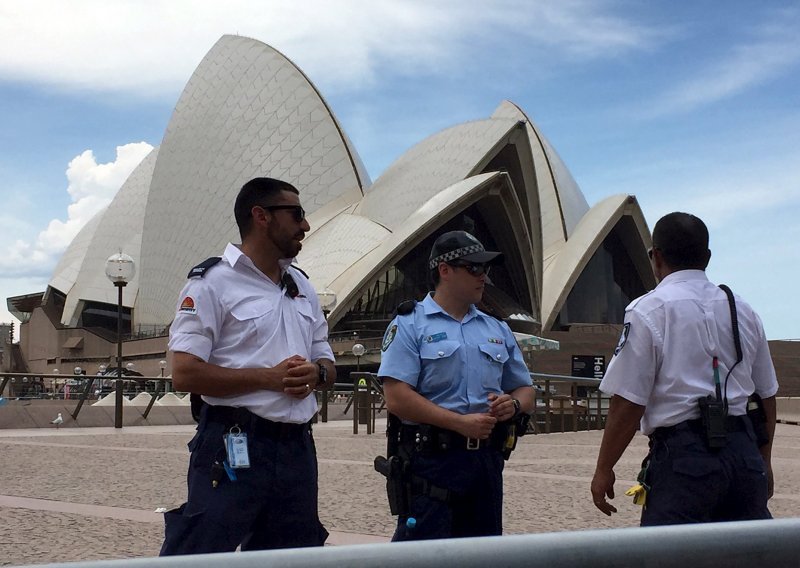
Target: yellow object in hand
x,y
639,494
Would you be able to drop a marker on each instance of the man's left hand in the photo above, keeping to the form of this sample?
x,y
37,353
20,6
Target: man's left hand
x,y
602,486
501,406
300,379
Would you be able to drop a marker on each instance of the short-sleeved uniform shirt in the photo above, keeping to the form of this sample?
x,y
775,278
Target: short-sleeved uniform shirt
x,y
664,358
454,364
236,317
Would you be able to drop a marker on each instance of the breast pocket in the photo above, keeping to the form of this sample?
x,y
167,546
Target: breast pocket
x,y
441,364
490,366
255,320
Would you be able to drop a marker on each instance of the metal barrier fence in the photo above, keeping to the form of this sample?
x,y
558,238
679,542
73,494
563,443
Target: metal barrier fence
x,y
84,384
562,403
746,544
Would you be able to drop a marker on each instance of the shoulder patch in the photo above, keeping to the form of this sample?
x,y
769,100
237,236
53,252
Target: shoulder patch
x,y
200,270
389,337
623,338
187,306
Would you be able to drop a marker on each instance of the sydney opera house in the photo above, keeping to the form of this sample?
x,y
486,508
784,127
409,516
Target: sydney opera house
x,y
249,111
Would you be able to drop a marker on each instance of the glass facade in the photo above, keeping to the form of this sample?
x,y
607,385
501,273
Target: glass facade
x,y
410,279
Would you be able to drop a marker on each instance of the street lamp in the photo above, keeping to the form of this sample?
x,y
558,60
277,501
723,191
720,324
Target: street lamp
x,y
120,269
163,365
358,351
327,301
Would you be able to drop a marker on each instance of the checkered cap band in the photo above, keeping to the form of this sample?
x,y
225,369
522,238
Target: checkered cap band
x,y
454,254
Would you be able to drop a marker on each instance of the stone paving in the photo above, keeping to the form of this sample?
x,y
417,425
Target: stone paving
x,y
91,493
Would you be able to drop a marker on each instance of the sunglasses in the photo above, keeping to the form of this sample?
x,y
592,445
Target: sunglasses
x,y
298,213
474,269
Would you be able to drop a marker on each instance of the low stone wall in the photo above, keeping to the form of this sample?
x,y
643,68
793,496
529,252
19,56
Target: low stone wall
x,y
789,410
40,413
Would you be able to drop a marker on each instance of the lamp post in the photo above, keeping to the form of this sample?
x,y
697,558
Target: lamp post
x,y
358,351
163,365
54,383
327,301
120,269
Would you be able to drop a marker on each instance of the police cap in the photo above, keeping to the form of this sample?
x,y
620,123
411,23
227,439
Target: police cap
x,y
460,245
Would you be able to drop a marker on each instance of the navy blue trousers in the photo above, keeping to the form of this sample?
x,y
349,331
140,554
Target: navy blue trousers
x,y
272,504
691,484
475,480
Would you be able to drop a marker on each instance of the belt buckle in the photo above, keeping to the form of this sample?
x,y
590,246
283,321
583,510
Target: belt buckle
x,y
473,444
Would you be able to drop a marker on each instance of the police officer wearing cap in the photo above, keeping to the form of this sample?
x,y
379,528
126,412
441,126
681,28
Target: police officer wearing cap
x,y
454,374
250,337
687,363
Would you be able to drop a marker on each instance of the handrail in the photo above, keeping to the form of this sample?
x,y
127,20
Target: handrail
x,y
86,390
741,544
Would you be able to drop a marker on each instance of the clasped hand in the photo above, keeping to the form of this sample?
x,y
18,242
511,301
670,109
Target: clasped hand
x,y
300,376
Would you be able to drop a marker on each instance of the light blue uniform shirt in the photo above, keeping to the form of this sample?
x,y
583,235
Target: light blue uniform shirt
x,y
454,364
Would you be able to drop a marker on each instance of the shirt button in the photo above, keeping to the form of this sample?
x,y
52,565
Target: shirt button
x,y
441,353
497,356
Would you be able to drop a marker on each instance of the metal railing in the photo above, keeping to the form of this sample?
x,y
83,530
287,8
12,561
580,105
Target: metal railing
x,y
83,384
584,407
555,410
743,544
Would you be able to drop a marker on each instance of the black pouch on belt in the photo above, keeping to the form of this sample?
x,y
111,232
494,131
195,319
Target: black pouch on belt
x,y
712,413
755,410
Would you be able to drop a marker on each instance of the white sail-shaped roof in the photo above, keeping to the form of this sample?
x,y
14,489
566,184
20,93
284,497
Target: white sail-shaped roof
x,y
248,111
116,228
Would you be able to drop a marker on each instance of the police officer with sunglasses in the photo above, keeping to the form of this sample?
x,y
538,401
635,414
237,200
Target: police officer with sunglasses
x,y
250,338
455,377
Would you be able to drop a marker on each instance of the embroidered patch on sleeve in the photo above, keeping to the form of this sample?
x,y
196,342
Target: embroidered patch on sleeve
x,y
389,337
626,329
187,306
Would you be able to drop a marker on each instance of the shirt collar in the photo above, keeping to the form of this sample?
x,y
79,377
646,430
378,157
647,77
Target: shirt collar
x,y
233,254
683,276
431,307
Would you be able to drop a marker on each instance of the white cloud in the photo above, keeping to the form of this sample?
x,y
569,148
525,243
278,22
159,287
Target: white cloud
x,y
152,47
773,49
91,187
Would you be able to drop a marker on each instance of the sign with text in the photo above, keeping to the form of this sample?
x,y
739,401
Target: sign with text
x,y
588,367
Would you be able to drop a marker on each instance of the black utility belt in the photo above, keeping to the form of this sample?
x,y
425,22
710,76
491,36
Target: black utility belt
x,y
425,437
253,424
732,424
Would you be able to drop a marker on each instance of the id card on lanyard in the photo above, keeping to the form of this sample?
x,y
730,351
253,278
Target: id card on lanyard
x,y
236,448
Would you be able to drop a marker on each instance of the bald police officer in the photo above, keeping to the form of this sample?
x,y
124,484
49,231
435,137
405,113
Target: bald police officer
x,y
455,376
683,374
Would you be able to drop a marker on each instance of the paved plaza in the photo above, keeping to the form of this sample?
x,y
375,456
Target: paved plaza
x,y
91,493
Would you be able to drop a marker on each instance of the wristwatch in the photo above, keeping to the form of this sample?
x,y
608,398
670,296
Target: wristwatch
x,y
517,406
322,378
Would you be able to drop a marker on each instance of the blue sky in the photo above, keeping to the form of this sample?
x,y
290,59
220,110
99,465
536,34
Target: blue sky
x,y
689,106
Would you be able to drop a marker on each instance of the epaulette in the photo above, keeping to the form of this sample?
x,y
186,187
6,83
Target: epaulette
x,y
635,301
300,270
405,307
200,270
